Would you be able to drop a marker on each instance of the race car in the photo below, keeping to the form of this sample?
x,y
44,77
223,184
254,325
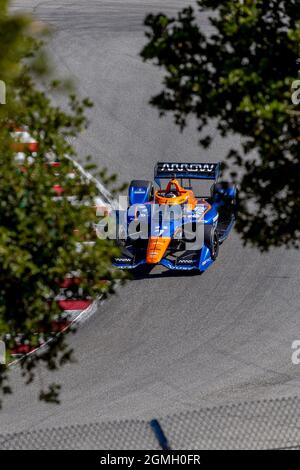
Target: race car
x,y
176,227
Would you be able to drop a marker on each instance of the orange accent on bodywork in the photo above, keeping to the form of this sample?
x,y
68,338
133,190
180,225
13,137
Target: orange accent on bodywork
x,y
156,249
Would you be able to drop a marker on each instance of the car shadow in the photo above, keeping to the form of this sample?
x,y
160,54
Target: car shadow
x,y
148,272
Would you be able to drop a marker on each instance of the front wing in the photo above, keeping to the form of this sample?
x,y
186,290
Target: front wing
x,y
182,261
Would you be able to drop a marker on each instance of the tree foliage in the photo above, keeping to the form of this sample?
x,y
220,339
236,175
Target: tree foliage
x,y
240,75
43,236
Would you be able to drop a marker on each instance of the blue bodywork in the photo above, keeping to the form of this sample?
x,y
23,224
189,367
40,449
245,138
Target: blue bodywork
x,y
138,195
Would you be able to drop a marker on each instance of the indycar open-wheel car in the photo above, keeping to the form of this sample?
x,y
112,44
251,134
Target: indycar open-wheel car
x,y
175,226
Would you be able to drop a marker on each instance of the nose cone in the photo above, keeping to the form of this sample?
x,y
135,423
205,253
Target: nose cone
x,y
156,249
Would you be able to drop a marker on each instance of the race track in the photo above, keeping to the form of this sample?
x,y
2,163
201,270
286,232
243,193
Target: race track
x,y
166,342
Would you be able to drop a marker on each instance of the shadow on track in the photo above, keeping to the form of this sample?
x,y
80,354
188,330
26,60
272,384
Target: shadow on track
x,y
145,272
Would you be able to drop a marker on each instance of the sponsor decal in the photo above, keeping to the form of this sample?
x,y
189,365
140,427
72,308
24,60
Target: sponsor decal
x,y
186,168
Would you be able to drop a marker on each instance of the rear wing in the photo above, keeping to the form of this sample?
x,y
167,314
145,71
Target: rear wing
x,y
204,171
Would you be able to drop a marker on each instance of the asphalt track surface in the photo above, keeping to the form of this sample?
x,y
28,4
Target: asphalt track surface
x,y
165,342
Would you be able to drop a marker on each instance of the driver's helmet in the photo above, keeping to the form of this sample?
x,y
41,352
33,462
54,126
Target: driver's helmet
x,y
170,195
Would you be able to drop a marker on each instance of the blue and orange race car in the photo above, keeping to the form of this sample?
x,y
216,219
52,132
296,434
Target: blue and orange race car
x,y
174,226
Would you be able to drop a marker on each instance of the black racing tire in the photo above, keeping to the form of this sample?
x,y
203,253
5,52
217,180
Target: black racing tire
x,y
215,246
211,240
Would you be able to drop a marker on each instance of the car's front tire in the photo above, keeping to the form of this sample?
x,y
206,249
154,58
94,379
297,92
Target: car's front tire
x,y
214,246
211,240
